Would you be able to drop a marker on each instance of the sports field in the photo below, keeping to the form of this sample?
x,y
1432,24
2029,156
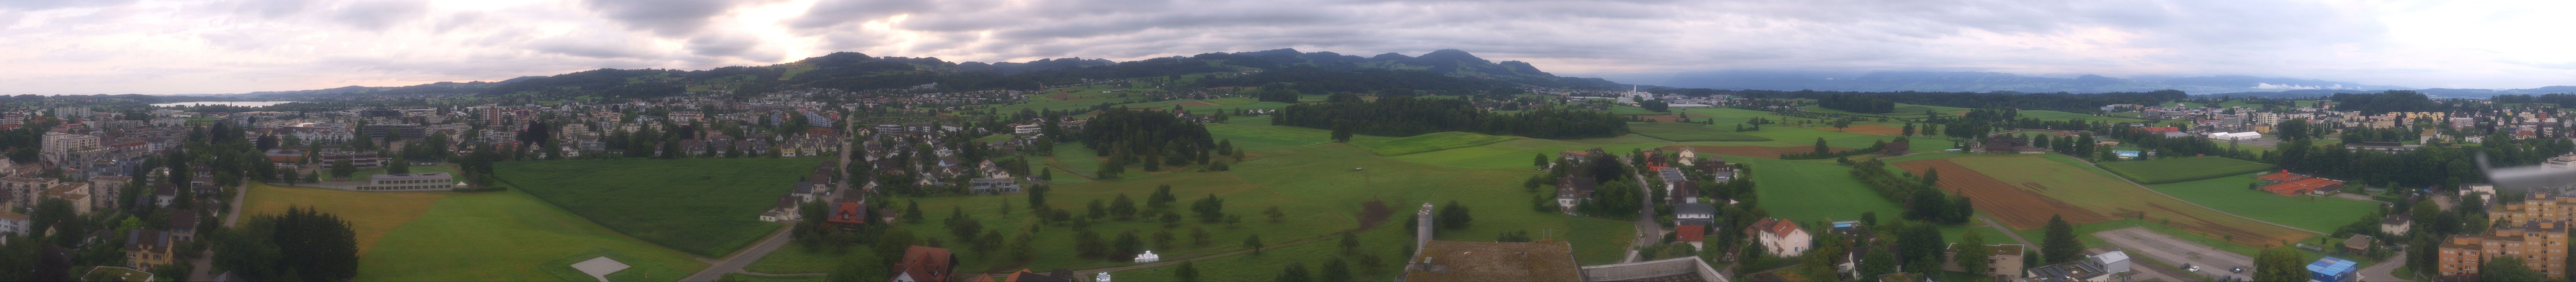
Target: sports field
x,y
510,236
370,214
2320,213
705,206
2023,191
2172,170
1675,131
1428,142
1812,190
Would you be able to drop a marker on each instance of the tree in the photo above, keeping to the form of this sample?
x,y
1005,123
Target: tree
x,y
2507,268
2061,246
342,169
1342,134
1209,209
1454,216
1820,147
1162,198
1879,262
1122,207
1336,270
1541,161
1253,243
2284,264
397,165
1189,271
1973,252
1350,242
1296,272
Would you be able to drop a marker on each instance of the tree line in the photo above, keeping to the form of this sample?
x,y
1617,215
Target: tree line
x,y
1408,116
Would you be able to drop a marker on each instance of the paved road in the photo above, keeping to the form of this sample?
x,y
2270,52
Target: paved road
x,y
205,264
2385,271
735,262
2165,248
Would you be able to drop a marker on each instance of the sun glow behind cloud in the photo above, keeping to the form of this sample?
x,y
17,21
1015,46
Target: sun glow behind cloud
x,y
167,47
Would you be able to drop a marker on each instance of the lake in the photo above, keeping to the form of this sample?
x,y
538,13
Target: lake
x,y
239,104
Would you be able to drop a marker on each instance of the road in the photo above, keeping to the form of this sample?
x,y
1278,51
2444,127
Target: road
x,y
2165,248
735,262
1649,232
205,264
2385,271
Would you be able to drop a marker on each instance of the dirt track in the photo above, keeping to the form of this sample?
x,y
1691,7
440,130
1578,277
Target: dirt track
x,y
2022,209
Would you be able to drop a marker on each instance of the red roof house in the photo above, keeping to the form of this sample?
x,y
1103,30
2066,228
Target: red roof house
x,y
921,263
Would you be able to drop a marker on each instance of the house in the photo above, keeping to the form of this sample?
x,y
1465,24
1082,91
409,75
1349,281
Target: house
x,y
12,223
2003,261
1893,149
1694,213
784,210
2113,261
2356,245
992,186
1781,237
183,225
1694,234
924,264
848,212
147,248
2396,224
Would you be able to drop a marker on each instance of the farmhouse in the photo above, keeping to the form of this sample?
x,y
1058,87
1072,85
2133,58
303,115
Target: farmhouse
x,y
2291,184
1781,237
2396,224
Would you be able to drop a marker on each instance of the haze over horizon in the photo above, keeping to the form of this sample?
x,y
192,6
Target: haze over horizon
x,y
171,47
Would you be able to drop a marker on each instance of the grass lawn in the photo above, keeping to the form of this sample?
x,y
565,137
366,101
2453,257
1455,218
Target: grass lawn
x,y
1429,142
1518,153
704,206
1675,131
1313,185
2320,213
1808,191
1256,134
2183,169
2057,115
370,214
794,259
510,236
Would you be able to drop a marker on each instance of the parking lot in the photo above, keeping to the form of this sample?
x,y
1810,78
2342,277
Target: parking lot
x,y
2174,251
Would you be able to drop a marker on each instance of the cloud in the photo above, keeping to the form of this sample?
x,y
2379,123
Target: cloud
x,y
241,46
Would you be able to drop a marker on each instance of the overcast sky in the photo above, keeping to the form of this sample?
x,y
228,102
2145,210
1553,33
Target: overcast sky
x,y
176,47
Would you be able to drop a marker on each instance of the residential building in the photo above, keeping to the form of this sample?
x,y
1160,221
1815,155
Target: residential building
x,y
1781,237
924,264
2396,224
2539,242
12,223
992,186
1694,213
2003,261
147,248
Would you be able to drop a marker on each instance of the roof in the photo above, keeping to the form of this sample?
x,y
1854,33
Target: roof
x,y
1694,208
1773,226
2331,265
1692,232
12,216
925,263
1494,261
2357,242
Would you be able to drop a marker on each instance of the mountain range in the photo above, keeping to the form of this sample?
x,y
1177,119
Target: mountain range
x,y
1929,81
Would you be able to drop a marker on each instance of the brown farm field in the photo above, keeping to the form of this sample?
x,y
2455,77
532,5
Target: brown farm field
x,y
1750,151
2023,191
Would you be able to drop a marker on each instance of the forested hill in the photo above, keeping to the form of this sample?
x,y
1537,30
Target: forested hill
x,y
1443,70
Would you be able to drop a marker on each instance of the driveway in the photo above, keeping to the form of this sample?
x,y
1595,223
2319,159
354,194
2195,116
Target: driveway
x,y
2385,271
2176,251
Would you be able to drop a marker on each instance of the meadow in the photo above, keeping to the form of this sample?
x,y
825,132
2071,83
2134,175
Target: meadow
x,y
2229,193
1429,142
1676,131
704,206
509,236
1812,190
2161,171
1315,186
1518,153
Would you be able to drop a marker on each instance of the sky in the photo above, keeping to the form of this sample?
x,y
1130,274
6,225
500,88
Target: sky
x,y
184,47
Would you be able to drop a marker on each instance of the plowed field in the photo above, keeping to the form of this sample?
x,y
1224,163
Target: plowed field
x,y
2024,191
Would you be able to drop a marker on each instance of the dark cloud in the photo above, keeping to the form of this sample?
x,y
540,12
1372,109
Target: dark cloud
x,y
669,18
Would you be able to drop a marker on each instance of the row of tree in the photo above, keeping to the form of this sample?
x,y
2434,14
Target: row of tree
x,y
1413,116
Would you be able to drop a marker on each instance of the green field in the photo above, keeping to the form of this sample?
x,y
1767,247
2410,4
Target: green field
x,y
705,206
370,214
1256,134
2172,170
510,236
1314,185
1429,142
1675,131
2057,115
2320,213
1518,153
1812,190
